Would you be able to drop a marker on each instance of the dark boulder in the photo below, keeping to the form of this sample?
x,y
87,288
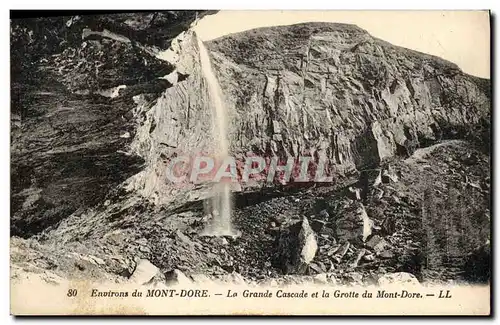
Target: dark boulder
x,y
295,247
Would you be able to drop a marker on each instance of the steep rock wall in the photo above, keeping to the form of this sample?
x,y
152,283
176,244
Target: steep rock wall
x,y
179,123
336,90
71,134
328,90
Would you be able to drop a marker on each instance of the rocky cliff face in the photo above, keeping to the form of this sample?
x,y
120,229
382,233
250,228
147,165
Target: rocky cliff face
x,y
73,112
336,90
327,90
178,123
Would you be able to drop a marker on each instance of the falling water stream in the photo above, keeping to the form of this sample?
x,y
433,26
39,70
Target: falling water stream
x,y
221,202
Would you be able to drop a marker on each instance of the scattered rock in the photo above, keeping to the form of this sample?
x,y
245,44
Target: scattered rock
x,y
200,278
317,225
142,242
355,278
274,231
377,244
355,225
321,278
125,135
144,272
316,268
355,193
323,214
370,177
398,278
296,246
97,260
333,250
279,219
378,194
90,258
176,277
80,266
388,225
470,159
389,176
355,263
341,252
322,266
386,254
369,258
236,278
329,232
183,238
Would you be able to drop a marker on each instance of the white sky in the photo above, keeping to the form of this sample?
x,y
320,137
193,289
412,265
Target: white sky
x,y
462,37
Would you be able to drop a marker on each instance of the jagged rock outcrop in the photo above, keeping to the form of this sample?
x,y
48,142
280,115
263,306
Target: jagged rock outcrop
x,y
144,273
295,247
178,123
353,225
336,90
321,89
71,143
399,278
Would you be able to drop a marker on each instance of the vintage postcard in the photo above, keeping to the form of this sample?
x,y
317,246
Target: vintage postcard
x,y
250,163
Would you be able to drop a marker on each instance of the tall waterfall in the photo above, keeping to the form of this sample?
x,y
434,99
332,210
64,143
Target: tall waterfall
x,y
221,202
